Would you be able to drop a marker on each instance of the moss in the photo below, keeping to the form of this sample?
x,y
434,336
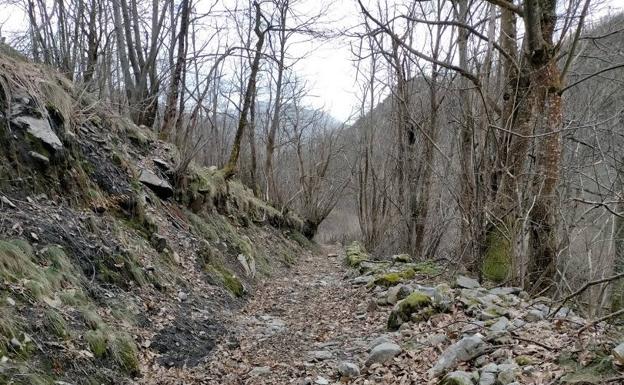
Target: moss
x,y
97,342
427,268
356,254
55,323
497,260
391,279
413,303
124,352
525,360
229,280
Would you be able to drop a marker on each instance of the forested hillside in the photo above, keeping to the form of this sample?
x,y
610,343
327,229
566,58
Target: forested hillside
x,y
180,203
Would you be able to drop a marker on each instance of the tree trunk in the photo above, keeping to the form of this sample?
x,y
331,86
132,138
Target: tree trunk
x,y
171,113
230,168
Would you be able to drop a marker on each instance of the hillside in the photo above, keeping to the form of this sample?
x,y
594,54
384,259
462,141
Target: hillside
x,y
112,262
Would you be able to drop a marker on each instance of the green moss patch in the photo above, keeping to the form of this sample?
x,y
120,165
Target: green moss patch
x,y
497,260
391,279
227,279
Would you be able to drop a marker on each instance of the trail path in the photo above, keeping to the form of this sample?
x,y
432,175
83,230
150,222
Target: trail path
x,y
299,327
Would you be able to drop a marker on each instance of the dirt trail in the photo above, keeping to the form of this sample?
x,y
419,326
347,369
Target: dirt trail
x,y
298,327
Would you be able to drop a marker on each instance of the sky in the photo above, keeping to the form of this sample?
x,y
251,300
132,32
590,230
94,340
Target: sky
x,y
328,66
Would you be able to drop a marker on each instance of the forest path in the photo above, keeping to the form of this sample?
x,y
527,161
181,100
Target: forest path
x,y
299,327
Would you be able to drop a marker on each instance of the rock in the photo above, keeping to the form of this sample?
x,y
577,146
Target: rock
x,y
518,323
463,350
15,344
362,280
534,315
382,353
401,258
618,354
41,130
348,369
10,301
182,296
488,375
507,373
501,325
259,371
332,255
437,339
161,164
397,293
378,341
504,291
457,378
403,310
159,242
320,355
321,381
466,282
248,264
159,186
7,202
40,159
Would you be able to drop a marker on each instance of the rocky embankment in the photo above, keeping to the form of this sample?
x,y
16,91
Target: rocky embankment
x,y
117,259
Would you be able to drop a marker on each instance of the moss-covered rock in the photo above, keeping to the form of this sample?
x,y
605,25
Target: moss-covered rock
x,y
355,255
394,278
403,311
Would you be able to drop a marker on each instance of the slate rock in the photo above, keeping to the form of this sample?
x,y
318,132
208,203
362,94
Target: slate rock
x,y
466,282
382,353
320,355
501,325
463,350
41,130
159,186
378,341
259,371
534,315
488,374
507,373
